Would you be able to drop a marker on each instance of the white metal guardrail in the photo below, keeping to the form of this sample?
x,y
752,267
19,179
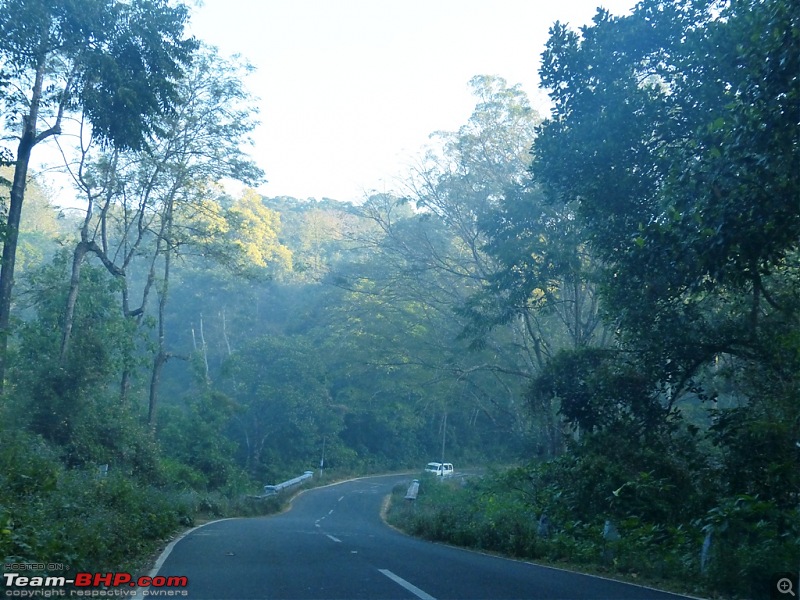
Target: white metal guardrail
x,y
413,490
270,490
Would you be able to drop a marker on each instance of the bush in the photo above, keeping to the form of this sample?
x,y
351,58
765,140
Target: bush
x,y
76,517
751,538
90,522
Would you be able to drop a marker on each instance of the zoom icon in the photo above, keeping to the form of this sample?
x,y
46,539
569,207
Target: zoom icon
x,y
784,586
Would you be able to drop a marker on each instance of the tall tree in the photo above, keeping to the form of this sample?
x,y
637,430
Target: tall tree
x,y
145,207
432,252
675,135
472,168
675,138
116,63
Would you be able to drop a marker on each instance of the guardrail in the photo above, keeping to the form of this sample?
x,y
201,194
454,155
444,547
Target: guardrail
x,y
270,490
413,490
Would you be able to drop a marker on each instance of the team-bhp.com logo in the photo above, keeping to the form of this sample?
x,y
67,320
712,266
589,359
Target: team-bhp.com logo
x,y
93,585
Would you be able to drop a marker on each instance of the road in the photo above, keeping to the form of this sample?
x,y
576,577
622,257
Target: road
x,y
332,544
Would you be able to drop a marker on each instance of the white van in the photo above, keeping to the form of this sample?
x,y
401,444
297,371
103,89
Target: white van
x,y
440,469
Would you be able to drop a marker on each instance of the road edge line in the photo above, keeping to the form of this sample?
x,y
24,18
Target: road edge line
x,y
388,499
162,558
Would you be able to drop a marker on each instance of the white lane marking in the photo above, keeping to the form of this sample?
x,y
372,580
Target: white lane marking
x,y
335,539
409,586
341,498
330,512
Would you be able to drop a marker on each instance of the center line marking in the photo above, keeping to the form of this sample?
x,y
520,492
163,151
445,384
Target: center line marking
x,y
335,539
409,586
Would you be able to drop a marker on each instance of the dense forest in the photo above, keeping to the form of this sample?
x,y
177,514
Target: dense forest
x,y
604,300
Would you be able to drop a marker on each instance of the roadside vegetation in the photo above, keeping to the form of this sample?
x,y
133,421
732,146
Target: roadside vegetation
x,y
85,520
537,513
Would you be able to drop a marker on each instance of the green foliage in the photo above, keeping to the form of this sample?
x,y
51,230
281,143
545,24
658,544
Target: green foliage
x,y
750,540
597,389
69,402
691,241
119,61
129,78
197,452
90,521
662,496
534,513
670,166
758,445
280,388
41,224
75,517
255,235
542,270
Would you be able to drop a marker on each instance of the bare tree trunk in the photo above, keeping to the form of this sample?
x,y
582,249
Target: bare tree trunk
x,y
225,332
258,450
88,244
444,433
249,456
124,385
72,298
161,354
138,314
155,381
204,346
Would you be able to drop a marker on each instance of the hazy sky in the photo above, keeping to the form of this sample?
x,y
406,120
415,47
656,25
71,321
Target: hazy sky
x,y
350,89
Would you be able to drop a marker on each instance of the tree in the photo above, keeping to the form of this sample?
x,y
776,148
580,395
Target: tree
x,y
544,274
253,233
674,137
284,402
67,402
116,63
433,257
472,170
145,208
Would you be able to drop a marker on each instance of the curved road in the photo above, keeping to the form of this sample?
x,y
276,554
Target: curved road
x,y
333,544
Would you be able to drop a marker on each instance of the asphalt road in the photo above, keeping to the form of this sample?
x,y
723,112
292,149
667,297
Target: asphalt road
x,y
332,544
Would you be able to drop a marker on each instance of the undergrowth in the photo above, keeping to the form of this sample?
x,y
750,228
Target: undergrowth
x,y
508,513
78,519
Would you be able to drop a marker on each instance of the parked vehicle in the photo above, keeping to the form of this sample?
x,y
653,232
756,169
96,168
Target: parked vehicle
x,y
440,469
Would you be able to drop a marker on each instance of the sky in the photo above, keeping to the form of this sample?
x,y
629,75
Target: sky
x,y
350,90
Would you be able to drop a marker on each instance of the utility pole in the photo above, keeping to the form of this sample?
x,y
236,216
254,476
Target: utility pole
x,y
322,460
444,432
